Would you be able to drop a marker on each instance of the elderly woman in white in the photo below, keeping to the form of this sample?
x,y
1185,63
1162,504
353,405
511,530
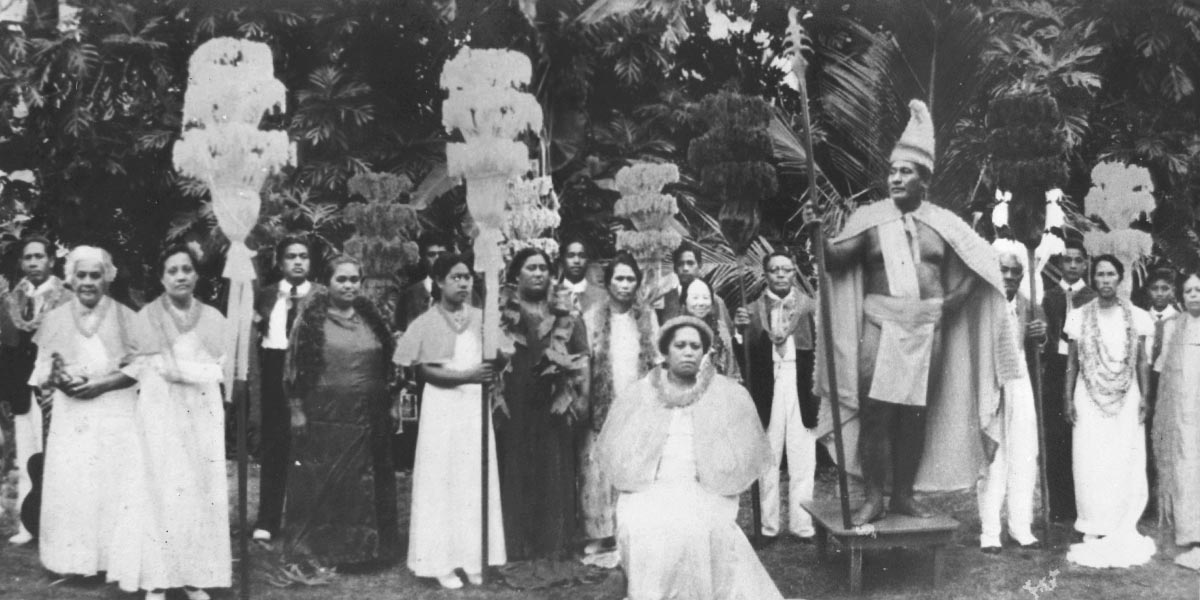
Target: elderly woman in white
x,y
82,346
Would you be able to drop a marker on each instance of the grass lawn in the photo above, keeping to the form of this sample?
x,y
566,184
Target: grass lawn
x,y
895,574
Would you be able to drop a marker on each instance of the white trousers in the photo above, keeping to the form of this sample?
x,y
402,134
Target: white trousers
x,y
785,430
27,437
1012,475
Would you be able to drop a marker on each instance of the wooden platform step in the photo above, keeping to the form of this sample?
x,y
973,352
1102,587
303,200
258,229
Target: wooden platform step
x,y
893,531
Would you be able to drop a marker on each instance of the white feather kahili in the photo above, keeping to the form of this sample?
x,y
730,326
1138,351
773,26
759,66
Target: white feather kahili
x,y
231,85
487,108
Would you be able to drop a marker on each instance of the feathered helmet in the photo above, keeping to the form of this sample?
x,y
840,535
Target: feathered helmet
x,y
916,143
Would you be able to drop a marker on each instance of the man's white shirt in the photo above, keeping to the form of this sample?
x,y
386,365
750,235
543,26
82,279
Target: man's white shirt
x,y
276,337
1070,289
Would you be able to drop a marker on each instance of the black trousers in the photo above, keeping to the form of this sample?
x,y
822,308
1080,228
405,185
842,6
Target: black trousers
x,y
1059,471
276,442
404,447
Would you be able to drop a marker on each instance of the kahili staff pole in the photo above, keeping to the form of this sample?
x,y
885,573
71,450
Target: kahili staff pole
x,y
484,437
1035,378
835,406
818,242
755,494
241,404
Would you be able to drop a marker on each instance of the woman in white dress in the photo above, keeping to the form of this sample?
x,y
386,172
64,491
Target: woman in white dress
x,y
680,445
621,339
445,344
181,525
81,348
1107,381
1177,423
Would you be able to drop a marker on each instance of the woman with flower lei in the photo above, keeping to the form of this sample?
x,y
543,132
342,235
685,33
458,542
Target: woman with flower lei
x,y
1106,386
545,388
84,347
680,445
444,347
621,334
182,539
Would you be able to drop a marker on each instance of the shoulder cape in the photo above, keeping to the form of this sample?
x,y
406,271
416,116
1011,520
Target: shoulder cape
x,y
430,340
730,445
978,354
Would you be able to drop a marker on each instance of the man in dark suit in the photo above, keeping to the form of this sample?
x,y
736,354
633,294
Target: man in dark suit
x,y
276,306
779,329
1160,292
418,296
414,301
1070,293
687,263
576,259
21,312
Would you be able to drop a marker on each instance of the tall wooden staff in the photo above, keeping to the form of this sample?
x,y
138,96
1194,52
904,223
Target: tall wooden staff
x,y
733,158
797,42
489,111
1029,158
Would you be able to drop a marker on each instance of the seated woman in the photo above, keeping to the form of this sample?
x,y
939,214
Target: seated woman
x,y
445,343
680,445
341,492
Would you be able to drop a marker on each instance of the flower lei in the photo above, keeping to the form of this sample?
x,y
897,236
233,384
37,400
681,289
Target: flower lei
x,y
602,372
16,299
557,362
308,351
674,397
1107,379
79,313
780,332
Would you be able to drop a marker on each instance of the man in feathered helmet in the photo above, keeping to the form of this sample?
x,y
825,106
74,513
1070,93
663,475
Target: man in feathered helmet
x,y
920,343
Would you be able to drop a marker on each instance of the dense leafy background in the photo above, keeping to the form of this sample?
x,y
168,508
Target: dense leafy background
x,y
93,108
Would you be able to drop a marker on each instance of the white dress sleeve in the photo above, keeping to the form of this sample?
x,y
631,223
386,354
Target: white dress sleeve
x,y
41,368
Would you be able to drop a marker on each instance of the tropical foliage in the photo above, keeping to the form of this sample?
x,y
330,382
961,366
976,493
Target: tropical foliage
x,y
92,107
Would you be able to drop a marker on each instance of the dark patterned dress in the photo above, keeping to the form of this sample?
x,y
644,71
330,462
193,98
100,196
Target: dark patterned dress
x,y
536,453
341,492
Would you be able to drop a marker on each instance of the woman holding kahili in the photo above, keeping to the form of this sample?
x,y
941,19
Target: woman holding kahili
x,y
445,344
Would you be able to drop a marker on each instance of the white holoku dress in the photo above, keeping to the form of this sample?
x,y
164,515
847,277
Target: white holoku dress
x,y
1109,458
88,479
681,542
444,531
181,523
